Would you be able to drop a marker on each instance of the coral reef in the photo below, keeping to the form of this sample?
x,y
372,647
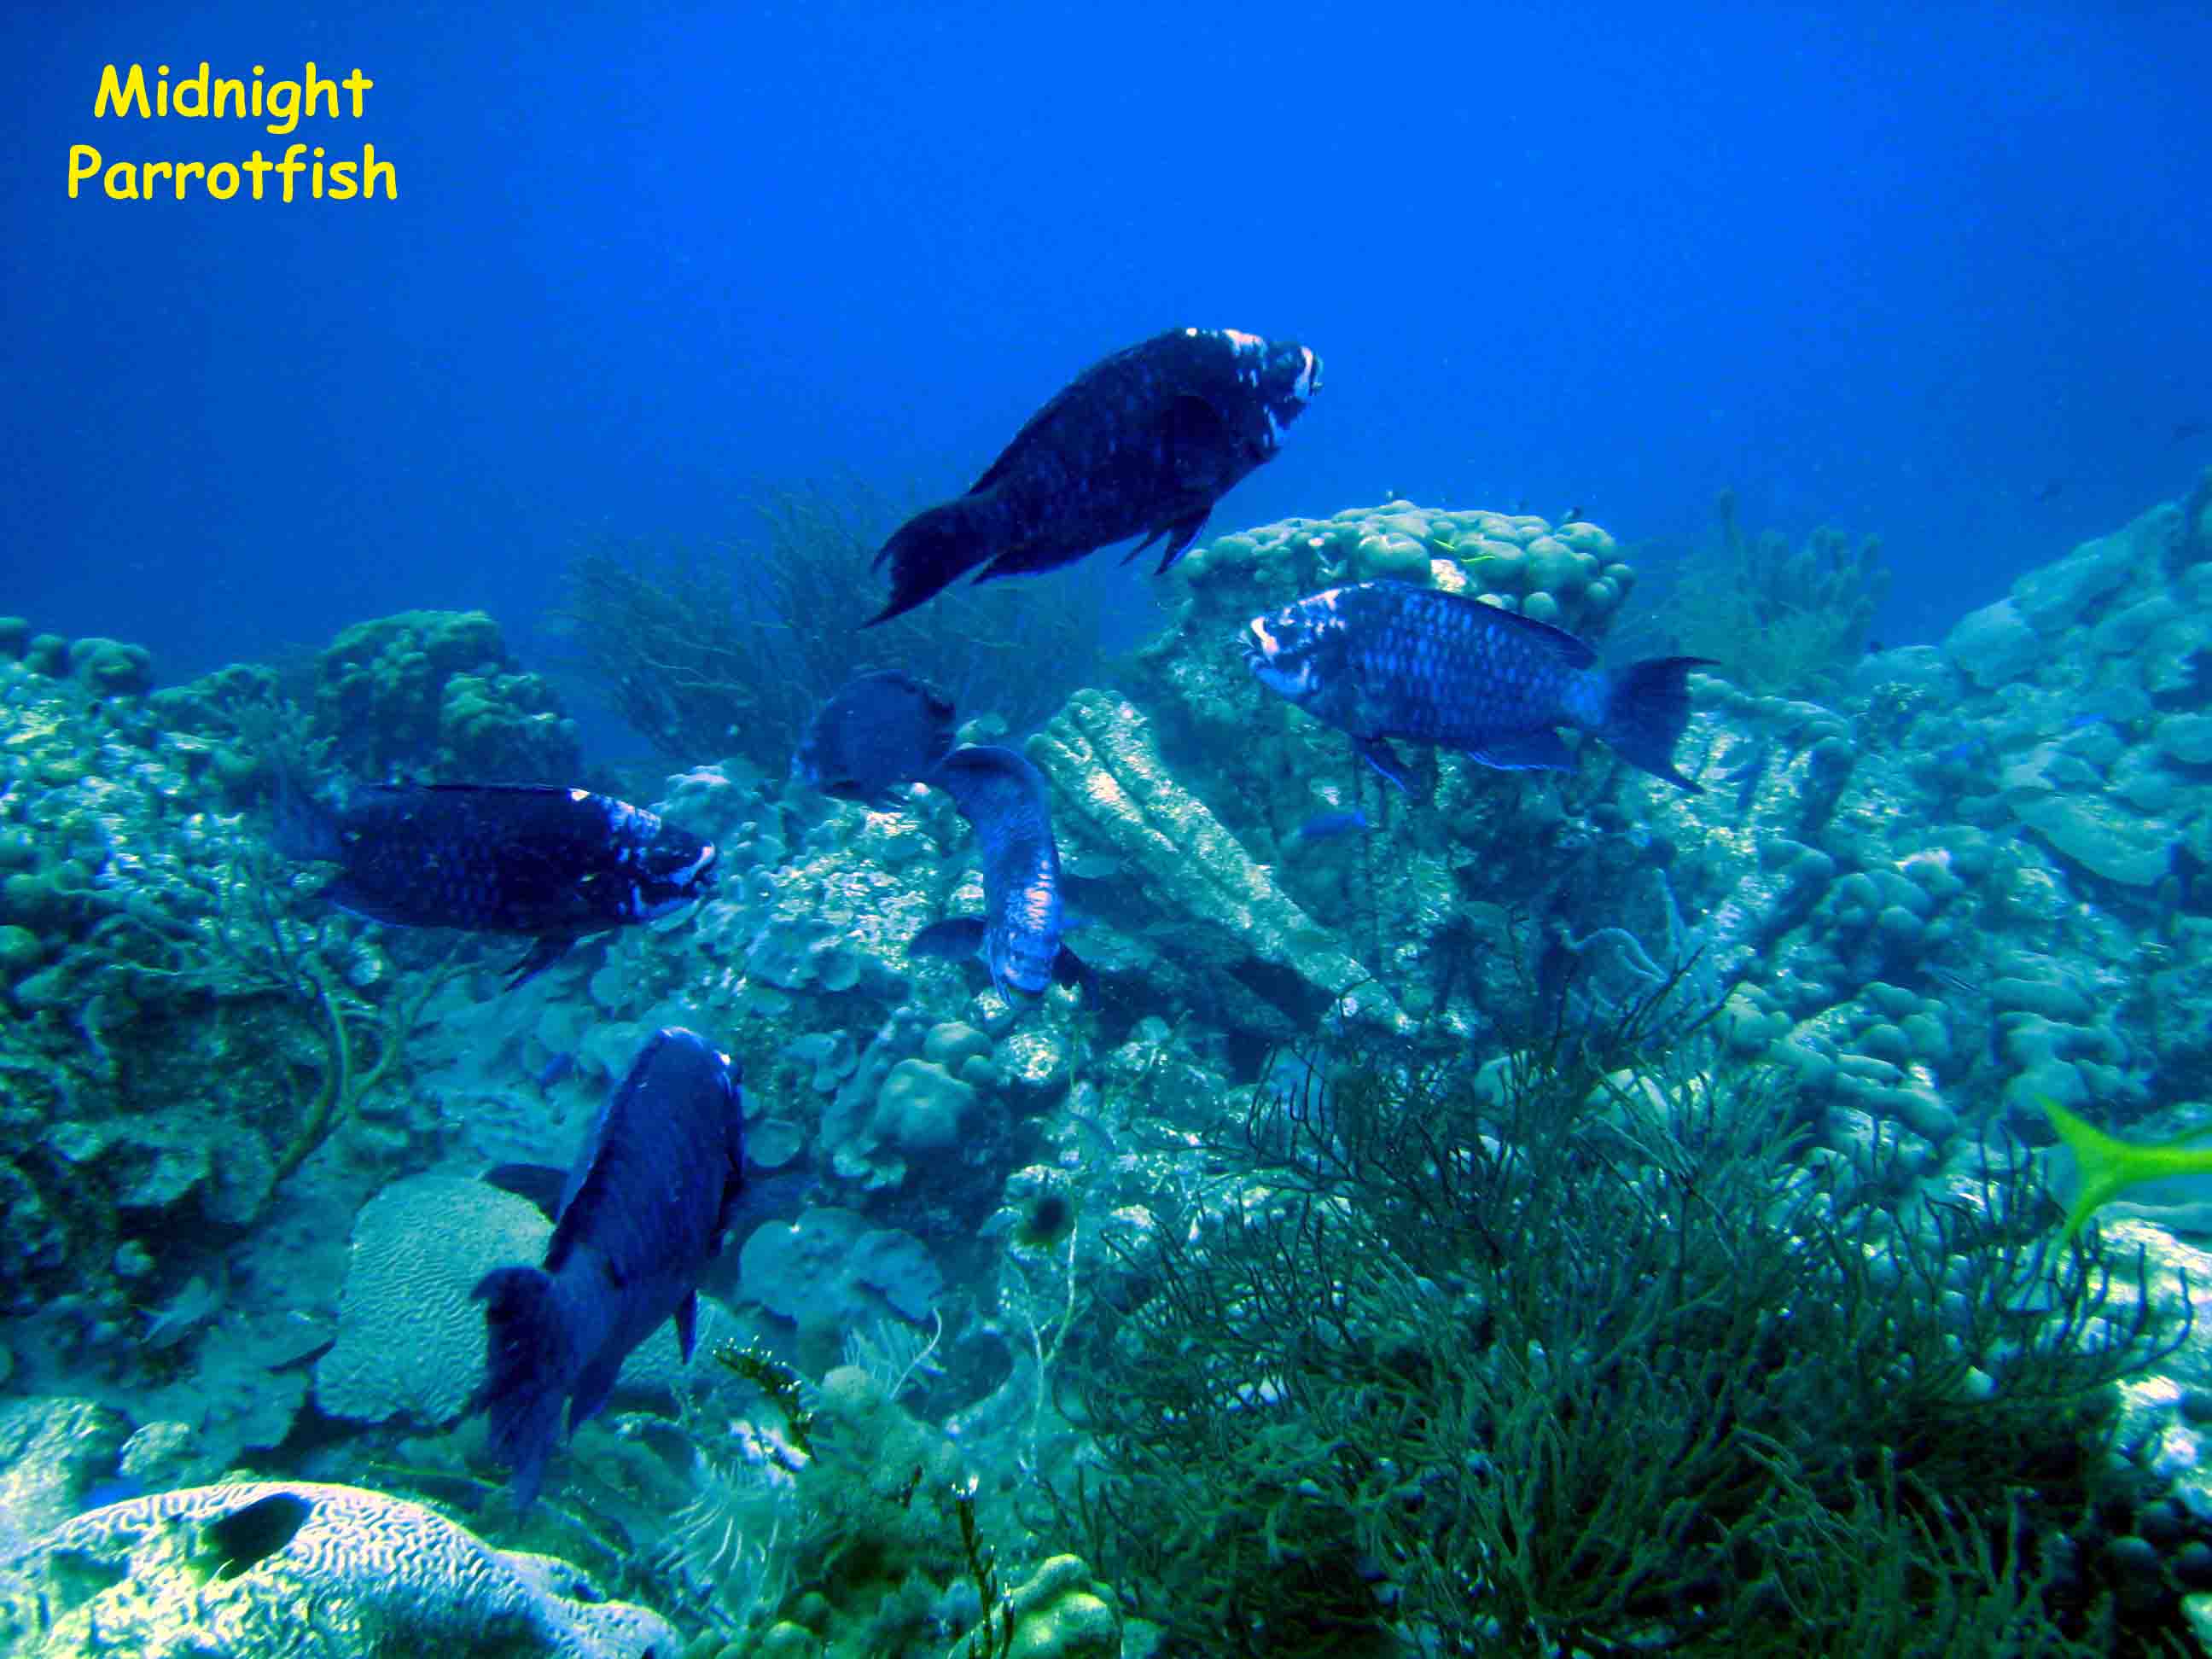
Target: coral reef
x,y
1569,573
1576,1355
434,694
1115,791
410,1333
231,1569
1781,620
1563,1045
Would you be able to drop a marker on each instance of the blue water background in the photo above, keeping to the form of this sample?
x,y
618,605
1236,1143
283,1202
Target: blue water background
x,y
1933,270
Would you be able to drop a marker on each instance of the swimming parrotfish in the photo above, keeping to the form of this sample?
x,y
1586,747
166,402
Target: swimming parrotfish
x,y
553,863
1387,659
1141,443
1018,935
655,1185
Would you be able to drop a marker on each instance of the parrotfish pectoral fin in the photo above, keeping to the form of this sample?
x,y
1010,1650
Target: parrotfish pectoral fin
x,y
1646,712
929,552
354,900
1384,759
1541,750
1200,443
687,1325
543,954
1130,556
1185,531
954,938
541,1183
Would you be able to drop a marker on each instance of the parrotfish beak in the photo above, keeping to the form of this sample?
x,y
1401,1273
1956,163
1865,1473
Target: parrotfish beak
x,y
704,870
665,892
1309,381
1270,658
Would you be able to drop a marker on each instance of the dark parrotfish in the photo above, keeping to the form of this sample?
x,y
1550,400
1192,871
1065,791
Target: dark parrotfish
x,y
883,731
554,863
642,1210
1387,659
1018,935
1142,444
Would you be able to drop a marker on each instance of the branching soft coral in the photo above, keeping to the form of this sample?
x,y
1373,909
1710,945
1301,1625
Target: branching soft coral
x,y
1574,1355
729,649
1774,617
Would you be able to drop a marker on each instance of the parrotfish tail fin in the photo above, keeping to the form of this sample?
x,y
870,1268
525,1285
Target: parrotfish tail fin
x,y
930,550
2108,1165
528,1369
1646,712
304,828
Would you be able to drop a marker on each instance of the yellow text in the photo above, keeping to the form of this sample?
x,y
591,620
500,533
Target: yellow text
x,y
301,172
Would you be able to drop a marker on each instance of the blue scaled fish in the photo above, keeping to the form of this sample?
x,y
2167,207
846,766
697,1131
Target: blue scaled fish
x,y
546,861
881,731
643,1208
1387,659
1018,935
1142,444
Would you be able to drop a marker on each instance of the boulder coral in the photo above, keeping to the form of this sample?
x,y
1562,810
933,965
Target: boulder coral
x,y
435,693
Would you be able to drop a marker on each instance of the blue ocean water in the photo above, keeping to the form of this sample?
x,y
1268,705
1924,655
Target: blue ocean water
x,y
1929,271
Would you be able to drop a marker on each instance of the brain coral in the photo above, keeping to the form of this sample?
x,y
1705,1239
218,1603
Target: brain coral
x,y
411,1339
268,1568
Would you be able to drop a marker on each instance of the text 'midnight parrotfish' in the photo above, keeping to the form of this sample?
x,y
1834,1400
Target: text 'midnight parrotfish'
x,y
644,1206
1142,444
1018,935
1388,659
553,863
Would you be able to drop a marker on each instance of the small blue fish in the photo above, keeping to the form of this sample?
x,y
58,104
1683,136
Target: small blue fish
x,y
1324,826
